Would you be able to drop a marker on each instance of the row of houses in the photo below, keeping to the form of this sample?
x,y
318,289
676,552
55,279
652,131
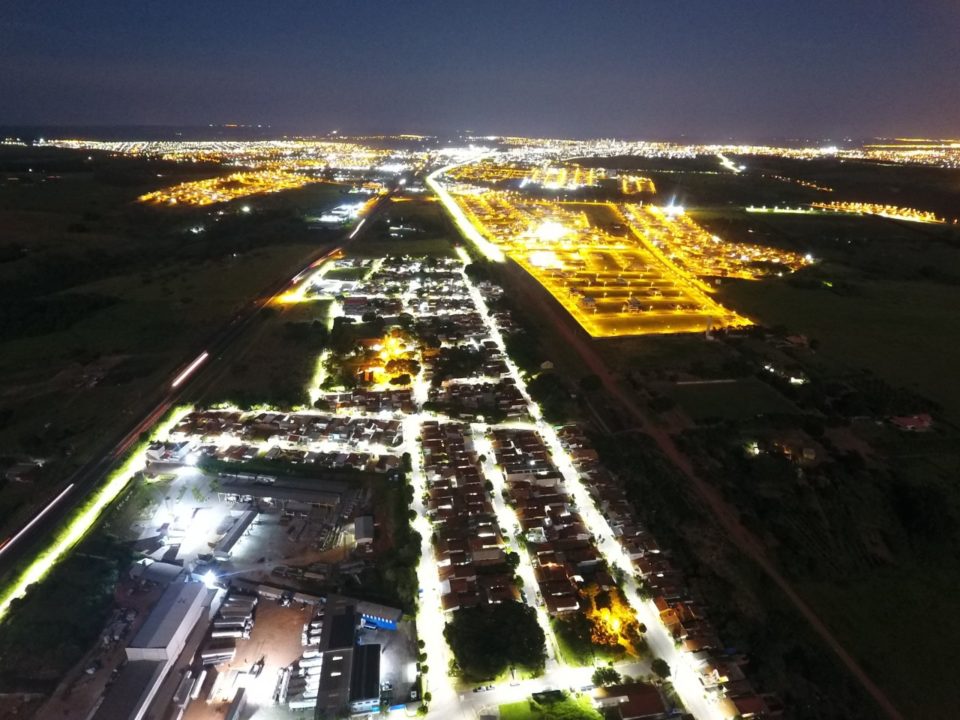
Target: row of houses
x,y
294,428
468,542
335,460
502,396
559,542
370,401
490,362
453,328
360,305
682,611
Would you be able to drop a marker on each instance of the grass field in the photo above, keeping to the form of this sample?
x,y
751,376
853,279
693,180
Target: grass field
x,y
907,333
578,708
736,400
901,623
278,362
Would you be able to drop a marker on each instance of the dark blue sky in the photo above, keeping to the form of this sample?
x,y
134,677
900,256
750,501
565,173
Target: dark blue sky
x,y
640,68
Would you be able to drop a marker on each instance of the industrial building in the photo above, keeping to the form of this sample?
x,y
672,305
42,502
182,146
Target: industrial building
x,y
154,649
232,536
363,530
350,674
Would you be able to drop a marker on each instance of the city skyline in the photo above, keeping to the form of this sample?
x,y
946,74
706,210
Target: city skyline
x,y
645,70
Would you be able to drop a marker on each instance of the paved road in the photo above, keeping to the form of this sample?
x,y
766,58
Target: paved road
x,y
724,514
22,544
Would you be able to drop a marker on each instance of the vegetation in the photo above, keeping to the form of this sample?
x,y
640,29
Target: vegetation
x,y
660,667
550,392
101,299
277,368
486,640
393,578
48,630
607,676
563,708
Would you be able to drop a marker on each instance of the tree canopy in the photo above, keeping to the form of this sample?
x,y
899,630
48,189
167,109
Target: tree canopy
x,y
487,640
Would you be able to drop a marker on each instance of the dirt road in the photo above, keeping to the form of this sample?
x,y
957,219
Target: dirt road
x,y
725,514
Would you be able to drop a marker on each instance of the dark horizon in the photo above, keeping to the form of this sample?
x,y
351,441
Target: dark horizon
x,y
643,70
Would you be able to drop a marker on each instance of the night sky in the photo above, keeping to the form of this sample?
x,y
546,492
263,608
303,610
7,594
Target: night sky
x,y
713,69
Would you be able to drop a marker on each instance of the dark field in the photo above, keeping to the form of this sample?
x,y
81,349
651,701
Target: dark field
x,y
735,400
906,332
103,298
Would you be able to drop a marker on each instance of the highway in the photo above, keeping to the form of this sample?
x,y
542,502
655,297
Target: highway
x,y
192,375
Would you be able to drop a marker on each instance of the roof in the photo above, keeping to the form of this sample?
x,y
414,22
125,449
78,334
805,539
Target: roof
x,y
637,700
749,705
383,612
277,492
342,629
334,686
239,527
363,527
156,572
365,677
168,615
132,689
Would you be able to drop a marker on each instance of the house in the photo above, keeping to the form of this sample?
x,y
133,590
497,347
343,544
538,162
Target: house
x,y
631,701
744,706
913,423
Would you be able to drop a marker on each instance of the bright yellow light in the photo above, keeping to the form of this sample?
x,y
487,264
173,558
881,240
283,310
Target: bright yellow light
x,y
551,231
545,259
230,187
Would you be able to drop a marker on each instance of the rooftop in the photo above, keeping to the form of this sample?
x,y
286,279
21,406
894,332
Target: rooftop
x,y
168,615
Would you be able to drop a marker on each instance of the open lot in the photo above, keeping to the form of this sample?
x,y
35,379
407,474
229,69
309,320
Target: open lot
x,y
906,332
923,596
729,400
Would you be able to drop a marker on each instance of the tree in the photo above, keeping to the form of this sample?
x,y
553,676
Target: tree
x,y
606,676
661,668
486,640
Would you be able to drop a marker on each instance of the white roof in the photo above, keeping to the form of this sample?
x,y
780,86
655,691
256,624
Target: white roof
x,y
169,614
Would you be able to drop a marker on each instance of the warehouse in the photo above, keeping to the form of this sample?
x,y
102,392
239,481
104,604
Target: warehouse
x,y
154,649
166,629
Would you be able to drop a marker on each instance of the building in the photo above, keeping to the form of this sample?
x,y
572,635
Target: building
x,y
165,632
350,672
631,701
154,649
365,679
363,530
240,524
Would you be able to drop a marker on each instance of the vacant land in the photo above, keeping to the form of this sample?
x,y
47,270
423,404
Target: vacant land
x,y
896,622
278,359
408,226
578,708
733,400
906,332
